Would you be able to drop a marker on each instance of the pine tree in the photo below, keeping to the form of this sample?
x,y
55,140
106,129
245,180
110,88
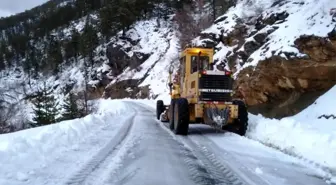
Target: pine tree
x,y
72,111
32,57
106,22
89,41
2,62
71,46
45,108
55,57
6,54
2,58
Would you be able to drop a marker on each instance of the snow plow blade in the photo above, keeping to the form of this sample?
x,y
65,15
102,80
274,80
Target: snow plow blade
x,y
219,118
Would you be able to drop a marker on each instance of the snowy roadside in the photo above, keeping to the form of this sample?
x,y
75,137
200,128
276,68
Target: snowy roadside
x,y
308,135
49,154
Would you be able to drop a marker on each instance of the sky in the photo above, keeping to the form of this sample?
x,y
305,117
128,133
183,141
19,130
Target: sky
x,y
10,7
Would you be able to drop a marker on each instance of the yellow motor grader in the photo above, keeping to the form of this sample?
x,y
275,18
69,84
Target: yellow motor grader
x,y
201,95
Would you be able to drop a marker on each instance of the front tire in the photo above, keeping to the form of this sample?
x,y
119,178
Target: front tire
x,y
181,117
241,123
159,109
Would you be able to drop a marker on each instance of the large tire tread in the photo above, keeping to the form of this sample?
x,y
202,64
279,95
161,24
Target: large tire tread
x,y
242,120
159,108
182,107
171,114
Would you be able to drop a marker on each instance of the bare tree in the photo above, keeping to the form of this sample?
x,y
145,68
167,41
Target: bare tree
x,y
7,111
85,91
83,97
191,20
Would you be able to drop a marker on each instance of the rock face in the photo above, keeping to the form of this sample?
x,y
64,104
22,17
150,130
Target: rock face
x,y
278,87
119,59
120,55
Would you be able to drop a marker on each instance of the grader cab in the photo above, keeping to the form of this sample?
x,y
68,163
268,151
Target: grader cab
x,y
201,95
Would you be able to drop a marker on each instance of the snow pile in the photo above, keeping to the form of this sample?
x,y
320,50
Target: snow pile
x,y
23,152
309,17
322,109
306,135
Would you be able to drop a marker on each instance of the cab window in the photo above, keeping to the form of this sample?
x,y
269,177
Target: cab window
x,y
201,61
182,69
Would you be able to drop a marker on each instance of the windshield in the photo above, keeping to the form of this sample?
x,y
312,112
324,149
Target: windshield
x,y
203,62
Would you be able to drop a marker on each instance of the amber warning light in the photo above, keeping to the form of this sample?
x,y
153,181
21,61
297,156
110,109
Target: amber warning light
x,y
228,73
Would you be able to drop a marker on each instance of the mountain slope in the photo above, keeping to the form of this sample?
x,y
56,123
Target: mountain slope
x,y
156,39
69,46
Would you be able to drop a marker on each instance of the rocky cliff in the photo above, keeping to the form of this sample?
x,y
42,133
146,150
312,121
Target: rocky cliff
x,y
280,87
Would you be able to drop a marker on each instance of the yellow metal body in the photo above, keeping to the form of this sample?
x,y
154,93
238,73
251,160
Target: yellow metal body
x,y
187,85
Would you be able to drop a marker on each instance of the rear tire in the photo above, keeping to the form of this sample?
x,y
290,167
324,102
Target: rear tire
x,y
159,109
181,117
241,123
171,114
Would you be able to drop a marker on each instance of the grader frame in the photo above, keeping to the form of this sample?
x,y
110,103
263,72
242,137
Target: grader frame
x,y
201,95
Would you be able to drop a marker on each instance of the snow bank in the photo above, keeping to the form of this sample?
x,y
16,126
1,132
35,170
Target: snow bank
x,y
306,135
22,151
30,139
324,105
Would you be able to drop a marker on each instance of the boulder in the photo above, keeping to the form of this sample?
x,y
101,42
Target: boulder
x,y
119,59
278,87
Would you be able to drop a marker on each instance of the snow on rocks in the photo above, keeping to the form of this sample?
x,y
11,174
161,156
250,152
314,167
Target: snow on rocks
x,y
283,21
158,39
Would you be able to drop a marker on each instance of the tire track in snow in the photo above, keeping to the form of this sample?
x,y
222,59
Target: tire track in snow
x,y
203,165
222,174
87,175
197,171
210,149
210,164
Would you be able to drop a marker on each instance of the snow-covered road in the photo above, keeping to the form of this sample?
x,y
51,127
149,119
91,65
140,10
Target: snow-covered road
x,y
150,154
134,148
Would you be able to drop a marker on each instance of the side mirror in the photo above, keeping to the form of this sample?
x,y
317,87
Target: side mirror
x,y
171,69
